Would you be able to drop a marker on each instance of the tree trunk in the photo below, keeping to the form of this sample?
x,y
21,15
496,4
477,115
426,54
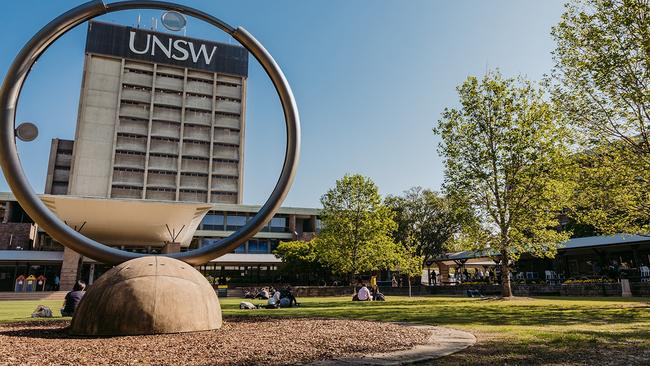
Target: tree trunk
x,y
410,287
506,290
429,275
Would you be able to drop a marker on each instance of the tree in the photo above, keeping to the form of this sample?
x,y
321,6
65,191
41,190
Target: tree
x,y
300,259
602,78
505,151
427,221
611,191
357,228
410,264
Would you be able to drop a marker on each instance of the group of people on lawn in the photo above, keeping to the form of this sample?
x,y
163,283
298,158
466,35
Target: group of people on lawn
x,y
282,298
369,293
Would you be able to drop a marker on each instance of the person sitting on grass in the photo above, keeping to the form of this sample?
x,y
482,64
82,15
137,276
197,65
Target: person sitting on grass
x,y
263,294
363,294
286,293
274,301
72,298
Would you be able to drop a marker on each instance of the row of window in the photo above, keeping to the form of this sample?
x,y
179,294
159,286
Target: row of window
x,y
232,222
253,246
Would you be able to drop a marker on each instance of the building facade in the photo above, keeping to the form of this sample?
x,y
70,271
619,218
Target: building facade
x,y
154,126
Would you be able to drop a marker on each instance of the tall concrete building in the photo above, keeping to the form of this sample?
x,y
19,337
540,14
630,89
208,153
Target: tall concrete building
x,y
160,117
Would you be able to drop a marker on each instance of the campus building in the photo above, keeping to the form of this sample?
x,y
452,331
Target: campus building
x,y
26,249
156,165
160,117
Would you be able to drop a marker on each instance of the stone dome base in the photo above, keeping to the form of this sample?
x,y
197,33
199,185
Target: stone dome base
x,y
148,295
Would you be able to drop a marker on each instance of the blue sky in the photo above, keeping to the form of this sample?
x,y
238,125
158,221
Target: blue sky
x,y
371,79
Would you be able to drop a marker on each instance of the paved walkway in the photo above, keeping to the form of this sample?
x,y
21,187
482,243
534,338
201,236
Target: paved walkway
x,y
442,342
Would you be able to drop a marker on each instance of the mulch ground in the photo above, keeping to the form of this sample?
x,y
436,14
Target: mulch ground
x,y
241,341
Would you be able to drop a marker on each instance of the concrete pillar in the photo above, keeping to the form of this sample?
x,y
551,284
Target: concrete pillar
x,y
69,269
444,272
292,226
171,248
312,221
9,206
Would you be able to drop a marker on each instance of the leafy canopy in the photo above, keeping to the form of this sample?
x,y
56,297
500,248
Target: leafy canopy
x,y
602,83
602,58
612,191
427,221
357,227
299,255
505,150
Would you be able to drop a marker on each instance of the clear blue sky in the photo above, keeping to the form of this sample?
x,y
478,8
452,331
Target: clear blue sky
x,y
371,79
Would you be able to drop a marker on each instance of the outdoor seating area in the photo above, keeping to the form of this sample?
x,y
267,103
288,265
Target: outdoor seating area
x,y
599,259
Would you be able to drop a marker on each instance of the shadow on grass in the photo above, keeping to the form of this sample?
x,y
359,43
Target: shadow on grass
x,y
584,348
467,313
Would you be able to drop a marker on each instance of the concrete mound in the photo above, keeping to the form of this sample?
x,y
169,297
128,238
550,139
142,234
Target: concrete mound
x,y
148,295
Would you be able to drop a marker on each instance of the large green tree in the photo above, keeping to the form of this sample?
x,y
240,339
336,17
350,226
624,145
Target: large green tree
x,y
602,84
427,221
504,150
357,228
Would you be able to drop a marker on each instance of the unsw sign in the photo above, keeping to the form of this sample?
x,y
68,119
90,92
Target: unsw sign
x,y
163,48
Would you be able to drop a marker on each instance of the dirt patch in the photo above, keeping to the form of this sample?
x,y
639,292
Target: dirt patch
x,y
241,341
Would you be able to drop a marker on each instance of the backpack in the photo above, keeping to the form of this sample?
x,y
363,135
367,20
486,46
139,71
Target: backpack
x,y
247,305
42,311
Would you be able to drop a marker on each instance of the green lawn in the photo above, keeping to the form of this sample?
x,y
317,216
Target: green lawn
x,y
558,331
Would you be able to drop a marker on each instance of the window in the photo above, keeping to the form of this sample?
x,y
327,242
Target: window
x,y
258,246
234,222
241,249
213,222
278,224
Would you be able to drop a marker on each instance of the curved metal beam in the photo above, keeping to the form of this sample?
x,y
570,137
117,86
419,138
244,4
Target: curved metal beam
x,y
13,171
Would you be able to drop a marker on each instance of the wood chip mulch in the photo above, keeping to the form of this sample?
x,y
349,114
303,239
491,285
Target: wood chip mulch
x,y
241,341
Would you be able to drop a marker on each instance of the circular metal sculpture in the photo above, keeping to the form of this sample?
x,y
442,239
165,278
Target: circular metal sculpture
x,y
13,171
144,294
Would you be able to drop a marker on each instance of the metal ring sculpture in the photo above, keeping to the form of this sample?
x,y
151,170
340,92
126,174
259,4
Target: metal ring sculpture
x,y
13,171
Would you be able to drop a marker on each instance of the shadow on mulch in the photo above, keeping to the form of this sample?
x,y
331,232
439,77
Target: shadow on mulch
x,y
42,329
58,329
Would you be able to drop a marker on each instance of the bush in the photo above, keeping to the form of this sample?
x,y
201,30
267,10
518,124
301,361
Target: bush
x,y
588,281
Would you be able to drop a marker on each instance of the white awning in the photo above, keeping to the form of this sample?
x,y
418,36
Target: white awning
x,y
129,222
248,259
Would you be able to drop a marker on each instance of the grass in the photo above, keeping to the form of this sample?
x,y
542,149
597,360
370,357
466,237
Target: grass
x,y
540,331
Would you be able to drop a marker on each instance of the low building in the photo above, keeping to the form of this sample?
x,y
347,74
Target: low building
x,y
27,250
610,256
